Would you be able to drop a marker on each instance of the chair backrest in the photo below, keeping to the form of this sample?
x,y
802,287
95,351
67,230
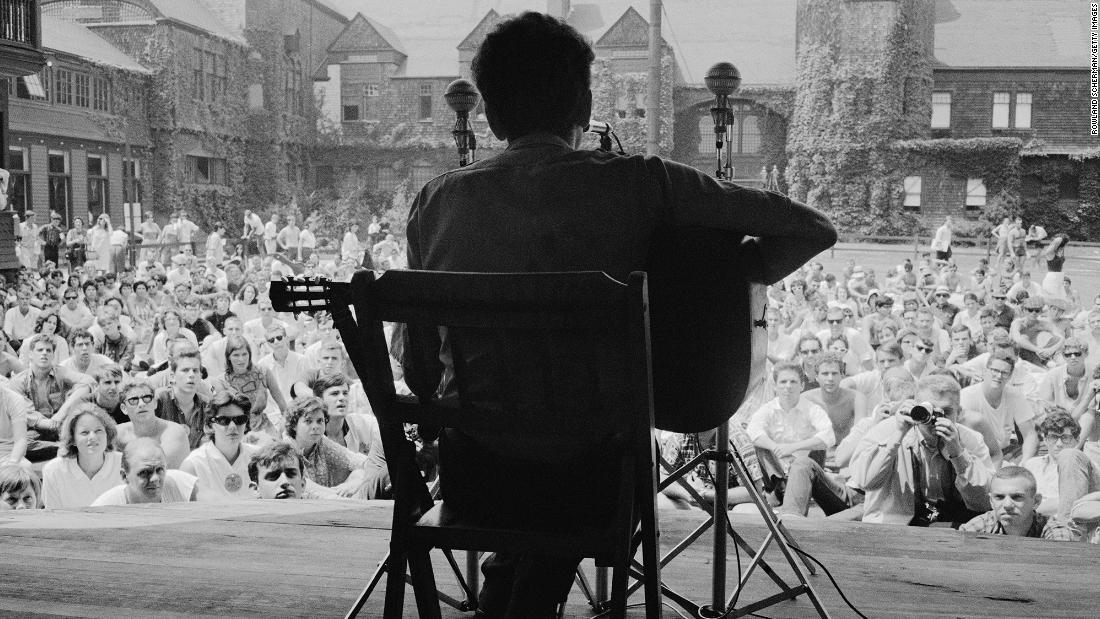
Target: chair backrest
x,y
534,355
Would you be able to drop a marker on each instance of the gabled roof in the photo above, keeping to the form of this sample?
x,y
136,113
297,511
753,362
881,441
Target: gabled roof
x,y
194,14
365,34
1012,33
72,38
631,30
477,35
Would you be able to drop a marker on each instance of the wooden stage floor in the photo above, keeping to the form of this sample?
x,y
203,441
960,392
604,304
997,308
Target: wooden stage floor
x,y
311,558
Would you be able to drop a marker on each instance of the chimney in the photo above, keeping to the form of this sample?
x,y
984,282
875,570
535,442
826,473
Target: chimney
x,y
558,8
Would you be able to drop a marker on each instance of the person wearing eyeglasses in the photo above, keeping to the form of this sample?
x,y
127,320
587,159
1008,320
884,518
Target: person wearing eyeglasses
x,y
860,354
255,330
139,403
1059,431
939,301
221,465
243,376
1005,409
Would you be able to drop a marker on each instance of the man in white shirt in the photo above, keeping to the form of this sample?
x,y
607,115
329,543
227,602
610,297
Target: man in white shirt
x,y
271,230
789,425
869,383
860,354
119,240
1003,408
29,242
180,273
255,330
307,240
186,230
1065,385
147,479
19,321
1059,431
288,366
83,360
289,239
74,313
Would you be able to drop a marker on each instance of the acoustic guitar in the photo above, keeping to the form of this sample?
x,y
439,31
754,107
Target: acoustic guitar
x,y
708,335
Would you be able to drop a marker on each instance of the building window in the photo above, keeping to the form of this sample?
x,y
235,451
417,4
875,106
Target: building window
x,y
101,95
351,113
372,90
97,185
199,91
941,110
912,193
750,134
426,101
206,170
19,194
132,193
1023,110
81,90
63,86
975,193
60,184
1000,110
209,76
34,87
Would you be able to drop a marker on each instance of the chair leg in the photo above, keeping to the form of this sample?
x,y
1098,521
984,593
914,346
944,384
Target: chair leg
x,y
423,582
395,585
651,555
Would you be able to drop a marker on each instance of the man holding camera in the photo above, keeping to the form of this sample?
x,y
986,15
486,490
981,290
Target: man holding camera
x,y
920,466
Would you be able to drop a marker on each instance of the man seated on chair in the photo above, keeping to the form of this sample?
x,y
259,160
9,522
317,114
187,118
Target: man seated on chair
x,y
532,209
788,427
1015,499
920,465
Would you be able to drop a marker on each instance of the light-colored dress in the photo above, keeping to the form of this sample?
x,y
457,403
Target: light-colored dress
x,y
99,241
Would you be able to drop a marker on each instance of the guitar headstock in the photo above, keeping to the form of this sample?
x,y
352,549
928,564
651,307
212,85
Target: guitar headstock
x,y
302,294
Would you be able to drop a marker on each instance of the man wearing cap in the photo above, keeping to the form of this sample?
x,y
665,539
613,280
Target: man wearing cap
x,y
51,236
1037,337
939,301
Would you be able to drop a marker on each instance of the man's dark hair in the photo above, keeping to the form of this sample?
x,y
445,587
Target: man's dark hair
x,y
327,380
534,73
273,454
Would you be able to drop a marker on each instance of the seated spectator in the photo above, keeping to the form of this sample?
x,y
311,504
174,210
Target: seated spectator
x,y
788,426
14,411
1004,410
74,313
255,329
19,488
181,403
21,319
172,325
84,360
1059,431
327,464
1066,385
919,472
86,465
193,320
898,385
970,316
50,324
288,366
962,346
921,352
869,383
9,361
138,402
356,430
1014,497
860,354
242,376
1039,339
114,345
844,406
147,479
104,393
47,386
221,311
277,471
221,465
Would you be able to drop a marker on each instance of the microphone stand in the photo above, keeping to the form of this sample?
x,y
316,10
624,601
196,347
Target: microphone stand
x,y
723,79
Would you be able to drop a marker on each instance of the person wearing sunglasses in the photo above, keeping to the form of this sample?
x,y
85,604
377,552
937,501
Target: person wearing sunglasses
x,y
1003,408
1065,385
859,354
288,366
919,362
221,465
139,404
243,376
1038,338
939,301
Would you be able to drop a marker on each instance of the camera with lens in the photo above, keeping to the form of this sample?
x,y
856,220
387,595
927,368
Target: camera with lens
x,y
925,413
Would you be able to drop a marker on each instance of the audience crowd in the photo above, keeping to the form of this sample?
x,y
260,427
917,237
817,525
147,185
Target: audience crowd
x,y
929,398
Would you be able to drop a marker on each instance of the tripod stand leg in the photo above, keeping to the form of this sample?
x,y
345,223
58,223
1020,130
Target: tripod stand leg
x,y
721,494
369,589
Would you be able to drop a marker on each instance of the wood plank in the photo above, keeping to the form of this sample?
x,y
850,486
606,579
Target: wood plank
x,y
310,559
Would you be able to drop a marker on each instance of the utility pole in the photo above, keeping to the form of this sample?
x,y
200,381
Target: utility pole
x,y
653,92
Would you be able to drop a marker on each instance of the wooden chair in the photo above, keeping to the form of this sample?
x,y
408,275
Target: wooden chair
x,y
558,357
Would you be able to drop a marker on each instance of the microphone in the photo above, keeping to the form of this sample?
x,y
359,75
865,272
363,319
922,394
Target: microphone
x,y
722,79
461,96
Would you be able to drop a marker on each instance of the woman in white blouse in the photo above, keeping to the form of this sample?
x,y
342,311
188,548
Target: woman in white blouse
x,y
221,465
86,465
